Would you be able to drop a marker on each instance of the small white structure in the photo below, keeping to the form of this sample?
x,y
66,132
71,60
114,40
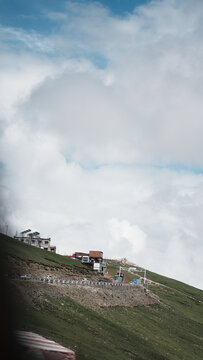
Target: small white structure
x,y
98,267
132,269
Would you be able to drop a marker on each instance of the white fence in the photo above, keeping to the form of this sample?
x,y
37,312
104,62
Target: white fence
x,y
84,283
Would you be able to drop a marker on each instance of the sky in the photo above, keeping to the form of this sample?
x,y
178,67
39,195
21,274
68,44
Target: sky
x,y
101,128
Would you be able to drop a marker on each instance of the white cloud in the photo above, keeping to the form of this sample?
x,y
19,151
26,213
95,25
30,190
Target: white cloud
x,y
20,75
128,239
80,144
153,104
31,40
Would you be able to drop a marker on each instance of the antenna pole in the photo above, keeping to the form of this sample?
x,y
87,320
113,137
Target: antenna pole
x,y
144,277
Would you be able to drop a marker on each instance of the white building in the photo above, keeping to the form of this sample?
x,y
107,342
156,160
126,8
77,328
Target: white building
x,y
35,240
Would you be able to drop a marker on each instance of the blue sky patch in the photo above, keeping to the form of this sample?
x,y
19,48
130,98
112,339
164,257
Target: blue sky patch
x,y
31,15
21,19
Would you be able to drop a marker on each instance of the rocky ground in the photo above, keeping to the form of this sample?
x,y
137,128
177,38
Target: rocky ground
x,y
17,267
31,292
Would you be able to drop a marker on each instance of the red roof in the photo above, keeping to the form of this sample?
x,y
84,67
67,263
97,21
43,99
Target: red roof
x,y
96,254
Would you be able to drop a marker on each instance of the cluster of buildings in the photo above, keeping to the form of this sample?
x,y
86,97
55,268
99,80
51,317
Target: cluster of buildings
x,y
34,239
93,259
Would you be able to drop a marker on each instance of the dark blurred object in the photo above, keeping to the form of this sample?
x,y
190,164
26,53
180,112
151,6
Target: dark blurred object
x,y
9,346
38,347
21,345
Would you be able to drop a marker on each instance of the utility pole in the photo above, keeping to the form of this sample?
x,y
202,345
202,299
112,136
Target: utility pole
x,y
144,277
121,268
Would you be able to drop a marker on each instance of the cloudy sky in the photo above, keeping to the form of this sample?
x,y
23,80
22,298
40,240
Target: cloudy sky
x,y
101,128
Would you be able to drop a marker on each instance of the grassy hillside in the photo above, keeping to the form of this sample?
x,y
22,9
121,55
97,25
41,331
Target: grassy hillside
x,y
176,285
169,331
14,248
113,267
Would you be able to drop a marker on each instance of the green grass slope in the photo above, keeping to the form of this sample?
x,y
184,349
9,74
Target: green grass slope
x,y
172,330
12,247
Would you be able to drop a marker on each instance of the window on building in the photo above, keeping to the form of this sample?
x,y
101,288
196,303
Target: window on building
x,y
46,242
45,248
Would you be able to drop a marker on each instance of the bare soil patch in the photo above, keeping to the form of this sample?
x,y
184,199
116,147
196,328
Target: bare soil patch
x,y
31,292
17,267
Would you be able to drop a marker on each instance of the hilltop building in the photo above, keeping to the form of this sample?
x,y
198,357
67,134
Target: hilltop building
x,y
93,258
34,239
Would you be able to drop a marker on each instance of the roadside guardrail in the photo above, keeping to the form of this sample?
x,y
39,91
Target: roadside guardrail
x,y
81,282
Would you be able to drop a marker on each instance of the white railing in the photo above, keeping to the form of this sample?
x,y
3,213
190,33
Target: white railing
x,y
83,283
